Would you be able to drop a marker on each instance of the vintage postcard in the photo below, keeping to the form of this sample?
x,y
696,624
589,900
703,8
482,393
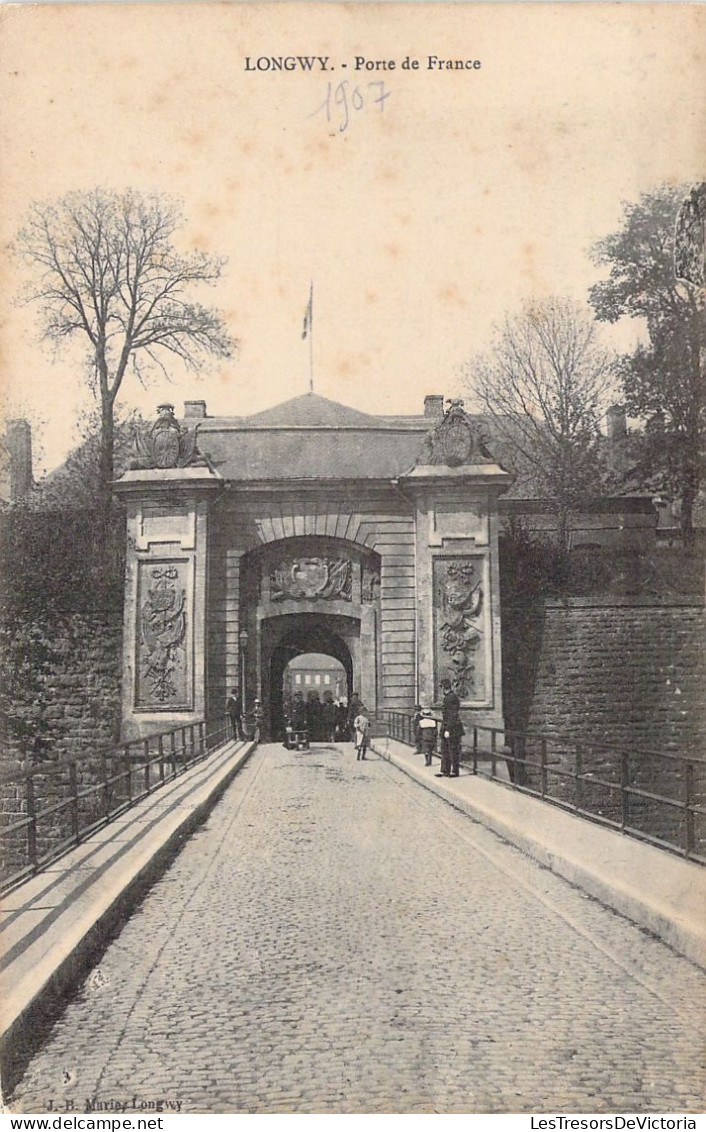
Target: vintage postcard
x,y
351,627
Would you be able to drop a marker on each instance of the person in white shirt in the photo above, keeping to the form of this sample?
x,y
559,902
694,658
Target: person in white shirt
x,y
361,725
428,730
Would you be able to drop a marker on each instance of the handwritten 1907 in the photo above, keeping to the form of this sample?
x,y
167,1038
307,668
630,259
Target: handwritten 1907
x,y
343,101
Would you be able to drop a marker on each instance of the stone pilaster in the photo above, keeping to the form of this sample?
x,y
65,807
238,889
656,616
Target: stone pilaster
x,y
458,595
164,653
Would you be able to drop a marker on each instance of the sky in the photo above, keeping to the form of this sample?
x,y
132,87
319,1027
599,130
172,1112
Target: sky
x,y
424,203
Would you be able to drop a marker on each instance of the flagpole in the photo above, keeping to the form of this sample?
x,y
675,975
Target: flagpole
x,y
308,332
311,337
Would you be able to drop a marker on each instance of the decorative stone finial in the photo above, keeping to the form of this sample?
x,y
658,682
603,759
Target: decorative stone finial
x,y
453,441
166,444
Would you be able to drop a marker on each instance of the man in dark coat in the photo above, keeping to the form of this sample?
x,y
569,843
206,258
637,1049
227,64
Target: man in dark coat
x,y
234,711
313,717
353,709
451,731
328,718
299,713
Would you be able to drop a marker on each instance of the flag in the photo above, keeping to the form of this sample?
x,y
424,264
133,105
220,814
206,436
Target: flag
x,y
308,314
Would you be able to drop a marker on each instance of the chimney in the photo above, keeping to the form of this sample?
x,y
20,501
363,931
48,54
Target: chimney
x,y
195,409
434,406
18,441
616,422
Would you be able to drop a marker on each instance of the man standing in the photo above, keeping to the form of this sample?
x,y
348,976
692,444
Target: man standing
x,y
354,707
234,711
451,731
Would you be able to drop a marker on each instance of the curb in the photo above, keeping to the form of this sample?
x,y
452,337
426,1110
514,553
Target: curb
x,y
639,907
33,1021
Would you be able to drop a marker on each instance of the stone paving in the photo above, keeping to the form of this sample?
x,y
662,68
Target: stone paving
x,y
335,939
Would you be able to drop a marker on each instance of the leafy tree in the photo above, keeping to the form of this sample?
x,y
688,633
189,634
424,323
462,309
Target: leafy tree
x,y
105,270
77,483
543,383
55,552
663,379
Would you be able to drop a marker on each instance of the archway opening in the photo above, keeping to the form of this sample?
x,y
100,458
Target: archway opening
x,y
320,684
298,640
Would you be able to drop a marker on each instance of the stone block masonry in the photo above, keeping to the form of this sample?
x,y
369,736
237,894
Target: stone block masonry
x,y
624,671
72,698
62,686
613,672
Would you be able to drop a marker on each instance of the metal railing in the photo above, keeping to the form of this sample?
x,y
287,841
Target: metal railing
x,y
655,796
51,807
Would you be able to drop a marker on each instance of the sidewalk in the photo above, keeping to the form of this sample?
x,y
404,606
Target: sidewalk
x,y
53,926
652,887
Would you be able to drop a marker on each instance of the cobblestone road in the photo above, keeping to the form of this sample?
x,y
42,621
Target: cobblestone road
x,y
336,939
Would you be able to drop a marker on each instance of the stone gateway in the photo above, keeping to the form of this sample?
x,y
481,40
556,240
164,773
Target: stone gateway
x,y
310,528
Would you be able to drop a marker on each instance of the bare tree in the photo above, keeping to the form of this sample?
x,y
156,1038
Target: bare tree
x,y
543,383
105,269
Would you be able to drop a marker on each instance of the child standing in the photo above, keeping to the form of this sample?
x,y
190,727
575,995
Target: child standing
x,y
428,729
361,724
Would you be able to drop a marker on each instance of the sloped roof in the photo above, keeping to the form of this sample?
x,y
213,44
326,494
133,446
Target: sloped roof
x,y
311,437
313,411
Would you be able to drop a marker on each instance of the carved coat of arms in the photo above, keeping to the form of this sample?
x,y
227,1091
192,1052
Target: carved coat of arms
x,y
312,578
453,441
166,444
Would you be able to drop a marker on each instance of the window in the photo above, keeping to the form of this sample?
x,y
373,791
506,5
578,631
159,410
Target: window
x,y
307,678
318,678
327,679
298,678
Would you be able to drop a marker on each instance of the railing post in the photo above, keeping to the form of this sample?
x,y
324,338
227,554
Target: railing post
x,y
515,746
493,753
475,750
172,744
543,765
578,784
106,787
160,752
32,822
73,784
146,753
128,763
624,783
688,812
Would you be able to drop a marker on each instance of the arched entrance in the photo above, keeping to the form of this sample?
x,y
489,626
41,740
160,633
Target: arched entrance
x,y
312,594
295,634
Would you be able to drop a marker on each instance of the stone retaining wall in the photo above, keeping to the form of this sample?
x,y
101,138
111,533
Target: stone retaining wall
x,y
606,673
62,686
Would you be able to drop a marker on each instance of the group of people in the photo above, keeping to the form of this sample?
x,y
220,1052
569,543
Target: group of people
x,y
338,721
325,721
333,721
234,713
427,730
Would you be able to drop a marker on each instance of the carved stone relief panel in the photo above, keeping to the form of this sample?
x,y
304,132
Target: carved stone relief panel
x,y
370,583
460,643
162,662
326,579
